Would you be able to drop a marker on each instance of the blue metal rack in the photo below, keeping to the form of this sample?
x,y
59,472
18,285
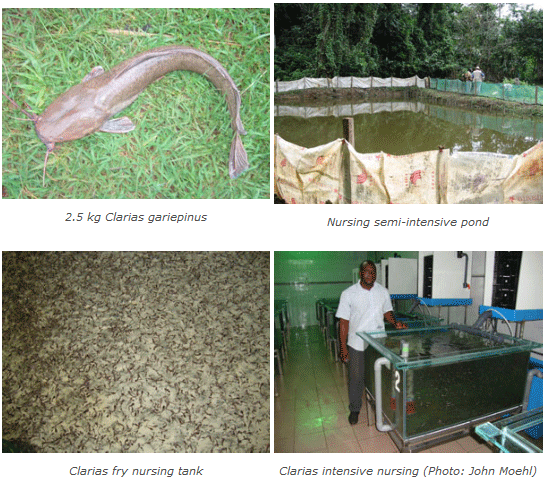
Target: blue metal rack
x,y
520,316
403,296
446,303
514,315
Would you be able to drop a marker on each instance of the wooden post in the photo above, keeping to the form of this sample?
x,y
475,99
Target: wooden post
x,y
348,129
348,135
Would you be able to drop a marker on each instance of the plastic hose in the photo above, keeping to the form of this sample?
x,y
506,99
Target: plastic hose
x,y
381,361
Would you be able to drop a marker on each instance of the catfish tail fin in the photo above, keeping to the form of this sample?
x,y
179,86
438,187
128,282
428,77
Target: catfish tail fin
x,y
238,159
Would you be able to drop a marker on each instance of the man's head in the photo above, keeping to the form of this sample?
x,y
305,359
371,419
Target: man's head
x,y
368,274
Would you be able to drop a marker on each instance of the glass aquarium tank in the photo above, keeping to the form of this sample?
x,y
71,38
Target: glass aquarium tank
x,y
442,380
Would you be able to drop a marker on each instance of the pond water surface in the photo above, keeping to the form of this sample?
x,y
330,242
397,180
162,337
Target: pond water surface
x,y
404,127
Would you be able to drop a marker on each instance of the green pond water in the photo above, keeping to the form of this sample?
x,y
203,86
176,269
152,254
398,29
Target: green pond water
x,y
404,127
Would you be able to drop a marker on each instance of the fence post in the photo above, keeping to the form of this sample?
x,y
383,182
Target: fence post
x,y
537,89
348,129
348,135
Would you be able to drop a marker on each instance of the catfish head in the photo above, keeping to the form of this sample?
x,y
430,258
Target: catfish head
x,y
73,115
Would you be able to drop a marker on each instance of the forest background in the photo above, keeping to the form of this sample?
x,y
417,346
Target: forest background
x,y
438,40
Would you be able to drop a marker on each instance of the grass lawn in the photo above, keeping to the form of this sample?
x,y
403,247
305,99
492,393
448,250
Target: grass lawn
x,y
180,147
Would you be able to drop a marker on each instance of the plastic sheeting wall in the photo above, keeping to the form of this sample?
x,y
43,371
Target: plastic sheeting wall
x,y
348,82
316,175
519,93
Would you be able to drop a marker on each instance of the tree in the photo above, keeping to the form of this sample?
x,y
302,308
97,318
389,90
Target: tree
x,y
392,39
434,40
402,40
343,42
529,41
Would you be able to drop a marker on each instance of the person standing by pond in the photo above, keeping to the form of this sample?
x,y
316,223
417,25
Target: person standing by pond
x,y
467,79
478,78
362,307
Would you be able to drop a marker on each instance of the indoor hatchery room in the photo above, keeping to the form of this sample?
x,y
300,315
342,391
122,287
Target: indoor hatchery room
x,y
408,351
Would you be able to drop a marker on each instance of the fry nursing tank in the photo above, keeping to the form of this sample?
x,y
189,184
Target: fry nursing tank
x,y
435,383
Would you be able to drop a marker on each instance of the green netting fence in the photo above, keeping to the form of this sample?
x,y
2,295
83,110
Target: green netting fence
x,y
528,94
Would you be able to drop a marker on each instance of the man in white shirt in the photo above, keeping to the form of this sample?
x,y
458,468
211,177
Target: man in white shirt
x,y
478,78
363,307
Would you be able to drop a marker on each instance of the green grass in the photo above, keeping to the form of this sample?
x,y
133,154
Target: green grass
x,y
180,147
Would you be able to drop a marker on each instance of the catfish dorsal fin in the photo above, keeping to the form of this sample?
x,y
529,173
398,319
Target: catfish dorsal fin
x,y
95,72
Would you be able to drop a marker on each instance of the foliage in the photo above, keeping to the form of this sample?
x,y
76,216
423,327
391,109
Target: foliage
x,y
425,39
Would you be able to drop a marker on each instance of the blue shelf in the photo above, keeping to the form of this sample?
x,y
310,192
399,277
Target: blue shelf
x,y
445,302
515,315
403,296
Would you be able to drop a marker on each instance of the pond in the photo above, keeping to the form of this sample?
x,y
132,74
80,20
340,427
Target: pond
x,y
406,126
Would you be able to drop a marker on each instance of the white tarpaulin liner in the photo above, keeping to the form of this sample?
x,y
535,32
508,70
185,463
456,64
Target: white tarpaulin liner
x,y
315,83
348,82
434,177
308,176
366,177
361,83
342,82
484,178
412,178
524,185
467,177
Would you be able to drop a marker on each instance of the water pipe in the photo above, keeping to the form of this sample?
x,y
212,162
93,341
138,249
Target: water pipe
x,y
504,320
529,378
482,319
460,255
381,361
416,303
477,332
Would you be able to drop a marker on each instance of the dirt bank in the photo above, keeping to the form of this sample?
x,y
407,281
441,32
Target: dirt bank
x,y
445,98
482,103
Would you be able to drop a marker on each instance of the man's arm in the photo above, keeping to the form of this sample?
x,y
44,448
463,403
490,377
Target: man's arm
x,y
390,318
343,336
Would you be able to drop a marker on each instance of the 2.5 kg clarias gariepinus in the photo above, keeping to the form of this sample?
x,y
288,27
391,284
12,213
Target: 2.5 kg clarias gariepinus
x,y
90,105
